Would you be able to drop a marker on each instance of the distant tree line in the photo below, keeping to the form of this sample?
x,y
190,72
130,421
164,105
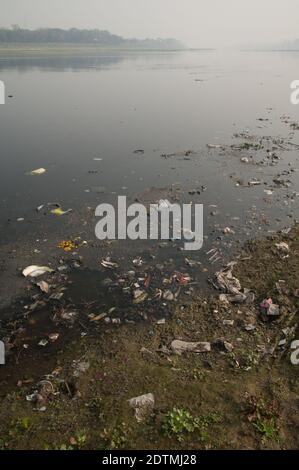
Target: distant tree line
x,y
80,36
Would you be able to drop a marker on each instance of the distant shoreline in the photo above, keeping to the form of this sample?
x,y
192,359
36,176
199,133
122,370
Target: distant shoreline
x,y
76,49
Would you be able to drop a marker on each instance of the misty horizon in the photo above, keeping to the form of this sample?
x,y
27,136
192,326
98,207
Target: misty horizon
x,y
195,23
87,38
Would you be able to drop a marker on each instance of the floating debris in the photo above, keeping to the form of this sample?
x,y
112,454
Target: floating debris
x,y
254,183
106,263
44,286
36,271
228,231
67,245
59,211
214,146
38,171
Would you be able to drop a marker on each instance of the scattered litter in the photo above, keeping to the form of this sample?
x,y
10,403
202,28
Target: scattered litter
x,y
283,247
182,279
106,263
242,297
56,296
179,347
250,327
143,406
227,231
38,171
53,337
36,271
223,345
67,245
269,309
254,183
228,322
59,211
44,286
191,263
227,282
138,262
139,296
168,295
41,395
69,316
214,146
97,317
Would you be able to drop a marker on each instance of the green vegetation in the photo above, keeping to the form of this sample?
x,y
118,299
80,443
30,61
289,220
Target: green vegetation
x,y
18,35
267,429
178,423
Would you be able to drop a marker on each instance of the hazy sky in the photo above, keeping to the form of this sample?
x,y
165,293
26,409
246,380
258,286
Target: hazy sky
x,y
198,23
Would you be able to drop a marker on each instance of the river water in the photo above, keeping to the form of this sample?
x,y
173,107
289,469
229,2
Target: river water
x,y
83,118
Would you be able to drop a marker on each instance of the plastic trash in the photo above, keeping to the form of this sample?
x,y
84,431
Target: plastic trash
x,y
269,308
180,347
283,247
36,271
143,406
59,211
44,286
38,171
